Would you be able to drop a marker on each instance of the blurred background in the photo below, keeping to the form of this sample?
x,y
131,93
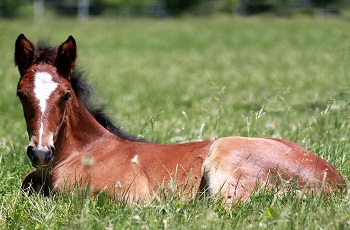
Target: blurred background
x,y
82,9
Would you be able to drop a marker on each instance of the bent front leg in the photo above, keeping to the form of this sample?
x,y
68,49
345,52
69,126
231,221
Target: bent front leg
x,y
35,182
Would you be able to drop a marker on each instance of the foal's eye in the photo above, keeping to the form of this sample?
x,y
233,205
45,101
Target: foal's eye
x,y
67,96
20,95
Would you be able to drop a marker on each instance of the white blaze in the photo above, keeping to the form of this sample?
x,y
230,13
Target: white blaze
x,y
43,88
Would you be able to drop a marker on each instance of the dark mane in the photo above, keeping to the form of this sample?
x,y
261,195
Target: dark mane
x,y
44,53
84,92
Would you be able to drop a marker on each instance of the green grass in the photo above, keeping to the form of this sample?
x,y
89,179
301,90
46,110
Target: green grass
x,y
183,80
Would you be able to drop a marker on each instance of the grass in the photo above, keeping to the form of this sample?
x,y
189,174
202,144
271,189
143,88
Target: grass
x,y
185,80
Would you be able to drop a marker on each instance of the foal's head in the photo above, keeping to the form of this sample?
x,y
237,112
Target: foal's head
x,y
44,90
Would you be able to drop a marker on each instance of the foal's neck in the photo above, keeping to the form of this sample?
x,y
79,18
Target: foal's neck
x,y
79,129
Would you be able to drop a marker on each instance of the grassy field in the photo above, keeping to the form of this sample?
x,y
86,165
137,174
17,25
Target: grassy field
x,y
184,80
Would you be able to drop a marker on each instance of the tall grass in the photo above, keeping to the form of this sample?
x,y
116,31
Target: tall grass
x,y
190,79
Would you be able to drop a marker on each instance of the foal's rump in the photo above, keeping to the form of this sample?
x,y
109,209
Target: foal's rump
x,y
238,166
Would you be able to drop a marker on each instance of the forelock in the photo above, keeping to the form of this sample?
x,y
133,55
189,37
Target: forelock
x,y
44,53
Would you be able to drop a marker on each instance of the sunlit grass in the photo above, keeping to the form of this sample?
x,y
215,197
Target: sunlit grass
x,y
191,79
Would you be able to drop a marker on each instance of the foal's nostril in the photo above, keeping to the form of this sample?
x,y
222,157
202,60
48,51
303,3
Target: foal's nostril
x,y
52,151
50,154
30,153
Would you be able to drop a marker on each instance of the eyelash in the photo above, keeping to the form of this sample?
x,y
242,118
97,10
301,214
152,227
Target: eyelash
x,y
66,97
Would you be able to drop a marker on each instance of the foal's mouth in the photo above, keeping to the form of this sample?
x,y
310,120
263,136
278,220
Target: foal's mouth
x,y
42,166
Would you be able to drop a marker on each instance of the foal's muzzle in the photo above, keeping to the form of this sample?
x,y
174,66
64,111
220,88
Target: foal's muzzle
x,y
40,156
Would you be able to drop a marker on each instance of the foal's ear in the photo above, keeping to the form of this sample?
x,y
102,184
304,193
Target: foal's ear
x,y
24,53
66,55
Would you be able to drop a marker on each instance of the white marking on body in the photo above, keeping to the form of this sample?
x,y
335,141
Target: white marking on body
x,y
43,88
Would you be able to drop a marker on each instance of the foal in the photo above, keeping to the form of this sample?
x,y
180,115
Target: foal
x,y
71,143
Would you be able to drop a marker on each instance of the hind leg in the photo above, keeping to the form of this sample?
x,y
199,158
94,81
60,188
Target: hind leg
x,y
231,172
225,184
223,178
35,182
